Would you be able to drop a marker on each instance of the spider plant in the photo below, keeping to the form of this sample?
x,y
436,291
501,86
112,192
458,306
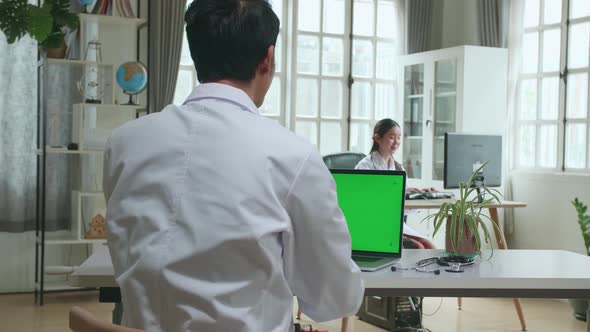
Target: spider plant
x,y
465,213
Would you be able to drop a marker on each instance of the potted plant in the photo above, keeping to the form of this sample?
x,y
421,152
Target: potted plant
x,y
463,217
581,306
45,23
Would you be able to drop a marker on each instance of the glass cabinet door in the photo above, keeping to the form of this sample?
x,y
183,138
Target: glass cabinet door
x,y
445,105
413,115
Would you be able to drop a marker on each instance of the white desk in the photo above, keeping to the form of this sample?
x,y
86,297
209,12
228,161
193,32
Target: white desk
x,y
510,273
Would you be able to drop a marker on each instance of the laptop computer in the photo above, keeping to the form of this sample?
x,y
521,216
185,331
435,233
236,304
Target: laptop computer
x,y
373,205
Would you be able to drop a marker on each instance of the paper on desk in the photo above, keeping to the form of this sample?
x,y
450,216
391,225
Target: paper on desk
x,y
412,232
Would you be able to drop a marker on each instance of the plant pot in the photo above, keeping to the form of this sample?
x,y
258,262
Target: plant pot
x,y
467,244
580,308
57,53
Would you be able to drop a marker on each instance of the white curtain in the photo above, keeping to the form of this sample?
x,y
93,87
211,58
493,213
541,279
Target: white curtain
x,y
18,134
514,63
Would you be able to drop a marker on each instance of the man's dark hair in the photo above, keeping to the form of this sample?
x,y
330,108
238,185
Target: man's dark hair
x,y
228,39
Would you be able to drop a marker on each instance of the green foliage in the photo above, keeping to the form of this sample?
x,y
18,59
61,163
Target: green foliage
x,y
584,222
466,211
13,19
45,23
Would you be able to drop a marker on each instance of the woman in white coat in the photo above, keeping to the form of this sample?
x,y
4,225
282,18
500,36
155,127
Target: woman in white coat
x,y
387,137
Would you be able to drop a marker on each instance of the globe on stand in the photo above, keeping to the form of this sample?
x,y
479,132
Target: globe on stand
x,y
132,78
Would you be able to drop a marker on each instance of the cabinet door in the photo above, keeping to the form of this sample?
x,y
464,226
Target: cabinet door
x,y
413,129
445,111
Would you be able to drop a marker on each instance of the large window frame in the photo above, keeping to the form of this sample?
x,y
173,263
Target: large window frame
x,y
560,122
354,132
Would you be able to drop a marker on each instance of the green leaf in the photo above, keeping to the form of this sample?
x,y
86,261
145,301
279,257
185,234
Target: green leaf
x,y
583,222
39,22
54,40
13,19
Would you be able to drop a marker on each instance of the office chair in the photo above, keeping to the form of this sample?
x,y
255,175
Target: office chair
x,y
345,160
83,321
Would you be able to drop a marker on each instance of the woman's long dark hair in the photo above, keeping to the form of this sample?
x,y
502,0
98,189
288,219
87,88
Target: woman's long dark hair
x,y
381,128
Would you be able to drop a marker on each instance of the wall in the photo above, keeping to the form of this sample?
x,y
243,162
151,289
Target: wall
x,y
549,221
455,23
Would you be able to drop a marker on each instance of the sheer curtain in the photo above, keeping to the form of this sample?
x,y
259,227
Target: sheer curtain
x,y
18,134
515,31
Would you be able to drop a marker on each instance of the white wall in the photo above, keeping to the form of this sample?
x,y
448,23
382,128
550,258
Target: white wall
x,y
549,221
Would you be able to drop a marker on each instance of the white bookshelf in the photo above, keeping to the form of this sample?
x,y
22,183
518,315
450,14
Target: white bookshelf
x,y
90,126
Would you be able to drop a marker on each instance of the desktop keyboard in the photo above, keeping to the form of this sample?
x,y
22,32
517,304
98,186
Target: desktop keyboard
x,y
432,195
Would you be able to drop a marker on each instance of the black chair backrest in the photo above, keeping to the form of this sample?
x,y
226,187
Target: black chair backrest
x,y
345,160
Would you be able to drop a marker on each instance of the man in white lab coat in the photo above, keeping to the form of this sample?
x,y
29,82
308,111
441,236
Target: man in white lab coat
x,y
218,216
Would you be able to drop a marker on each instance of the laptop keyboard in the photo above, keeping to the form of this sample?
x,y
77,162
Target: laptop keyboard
x,y
364,259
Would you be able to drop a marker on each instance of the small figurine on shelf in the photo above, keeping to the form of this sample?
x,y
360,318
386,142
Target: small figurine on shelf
x,y
97,228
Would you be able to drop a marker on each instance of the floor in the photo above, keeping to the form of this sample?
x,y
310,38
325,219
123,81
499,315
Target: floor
x,y
18,313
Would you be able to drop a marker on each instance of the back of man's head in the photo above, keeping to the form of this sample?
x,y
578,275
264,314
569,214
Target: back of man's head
x,y
228,39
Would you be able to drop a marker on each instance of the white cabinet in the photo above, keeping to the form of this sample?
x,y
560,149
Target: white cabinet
x,y
459,89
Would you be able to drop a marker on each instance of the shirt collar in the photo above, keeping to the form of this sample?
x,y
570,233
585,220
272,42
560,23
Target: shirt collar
x,y
379,162
223,92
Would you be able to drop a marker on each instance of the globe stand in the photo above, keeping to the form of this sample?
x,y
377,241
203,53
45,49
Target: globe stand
x,y
130,102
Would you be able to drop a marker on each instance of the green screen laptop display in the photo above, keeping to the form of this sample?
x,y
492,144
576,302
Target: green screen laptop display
x,y
372,205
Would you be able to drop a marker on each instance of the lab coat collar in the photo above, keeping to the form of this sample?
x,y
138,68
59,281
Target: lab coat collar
x,y
380,163
223,92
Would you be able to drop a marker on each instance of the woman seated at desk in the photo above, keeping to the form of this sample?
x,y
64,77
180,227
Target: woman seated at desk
x,y
387,137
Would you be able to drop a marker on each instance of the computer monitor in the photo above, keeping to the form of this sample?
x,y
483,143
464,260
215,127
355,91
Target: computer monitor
x,y
373,205
464,153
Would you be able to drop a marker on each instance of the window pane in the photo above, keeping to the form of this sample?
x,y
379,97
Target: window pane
x,y
362,101
579,8
332,56
277,7
579,39
184,86
575,145
331,99
551,46
334,16
309,15
550,95
526,146
308,54
361,137
530,52
548,146
531,13
185,55
386,64
278,54
272,101
528,100
552,11
386,19
384,101
307,130
330,138
307,97
577,96
362,58
363,19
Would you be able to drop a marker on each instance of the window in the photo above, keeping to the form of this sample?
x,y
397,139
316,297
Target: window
x,y
320,73
335,70
552,110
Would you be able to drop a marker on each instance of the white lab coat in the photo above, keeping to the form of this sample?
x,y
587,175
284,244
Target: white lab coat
x,y
218,216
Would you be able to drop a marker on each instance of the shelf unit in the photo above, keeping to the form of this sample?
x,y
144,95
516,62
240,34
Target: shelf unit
x,y
65,118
